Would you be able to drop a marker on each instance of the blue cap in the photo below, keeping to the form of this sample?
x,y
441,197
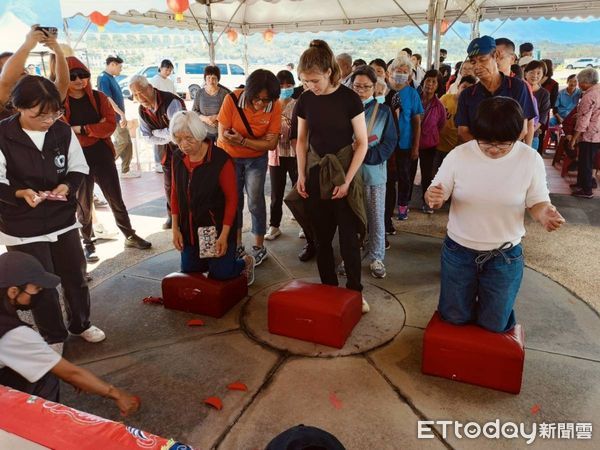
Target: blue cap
x,y
483,45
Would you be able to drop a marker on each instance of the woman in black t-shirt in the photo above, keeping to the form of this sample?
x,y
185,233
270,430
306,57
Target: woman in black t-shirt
x,y
333,116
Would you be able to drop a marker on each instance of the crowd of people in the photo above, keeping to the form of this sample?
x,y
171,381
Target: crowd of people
x,y
350,137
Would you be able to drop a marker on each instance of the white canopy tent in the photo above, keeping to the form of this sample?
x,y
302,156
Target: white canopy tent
x,y
251,16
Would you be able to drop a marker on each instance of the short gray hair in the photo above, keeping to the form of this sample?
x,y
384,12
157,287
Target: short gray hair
x,y
139,80
402,60
188,121
345,57
589,76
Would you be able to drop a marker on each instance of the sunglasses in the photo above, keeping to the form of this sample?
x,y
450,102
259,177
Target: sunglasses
x,y
81,75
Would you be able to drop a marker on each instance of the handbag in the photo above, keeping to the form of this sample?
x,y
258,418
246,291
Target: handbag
x,y
207,242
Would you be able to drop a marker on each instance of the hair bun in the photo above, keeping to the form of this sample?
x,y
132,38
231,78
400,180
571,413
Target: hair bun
x,y
318,43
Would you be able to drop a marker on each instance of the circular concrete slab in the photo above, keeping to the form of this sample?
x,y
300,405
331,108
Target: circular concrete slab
x,y
379,326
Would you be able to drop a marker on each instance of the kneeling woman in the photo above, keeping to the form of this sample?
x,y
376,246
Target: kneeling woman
x,y
203,196
493,179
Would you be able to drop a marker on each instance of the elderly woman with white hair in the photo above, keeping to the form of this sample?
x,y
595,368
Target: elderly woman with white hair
x,y
407,108
204,202
587,131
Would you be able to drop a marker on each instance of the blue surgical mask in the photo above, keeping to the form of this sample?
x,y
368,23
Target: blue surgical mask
x,y
286,93
367,101
401,78
380,99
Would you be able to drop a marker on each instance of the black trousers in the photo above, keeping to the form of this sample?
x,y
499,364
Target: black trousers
x,y
103,171
426,157
438,159
326,217
167,174
407,169
47,387
585,164
390,203
278,176
65,259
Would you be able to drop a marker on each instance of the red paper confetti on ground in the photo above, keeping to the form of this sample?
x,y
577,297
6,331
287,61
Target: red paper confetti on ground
x,y
237,387
535,409
153,300
215,402
195,323
335,401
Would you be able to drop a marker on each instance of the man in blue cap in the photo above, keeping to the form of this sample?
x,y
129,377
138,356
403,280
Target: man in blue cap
x,y
27,362
492,83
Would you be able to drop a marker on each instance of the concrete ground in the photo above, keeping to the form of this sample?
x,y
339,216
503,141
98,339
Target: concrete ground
x,y
370,394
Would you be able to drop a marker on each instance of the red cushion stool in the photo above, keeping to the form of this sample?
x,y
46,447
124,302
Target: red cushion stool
x,y
195,293
471,354
314,312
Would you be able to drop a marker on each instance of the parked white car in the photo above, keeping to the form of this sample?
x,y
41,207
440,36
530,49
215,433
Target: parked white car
x,y
147,71
189,75
582,63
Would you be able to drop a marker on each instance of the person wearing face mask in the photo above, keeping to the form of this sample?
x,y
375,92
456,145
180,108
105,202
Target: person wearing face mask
x,y
382,137
282,163
93,120
534,72
209,99
42,166
407,108
27,363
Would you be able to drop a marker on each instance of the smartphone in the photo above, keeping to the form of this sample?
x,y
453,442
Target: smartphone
x,y
49,30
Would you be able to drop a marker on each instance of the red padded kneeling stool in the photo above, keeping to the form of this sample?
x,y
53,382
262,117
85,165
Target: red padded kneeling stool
x,y
314,312
195,293
471,354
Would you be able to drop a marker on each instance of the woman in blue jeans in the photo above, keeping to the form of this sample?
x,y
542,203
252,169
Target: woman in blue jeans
x,y
492,179
204,202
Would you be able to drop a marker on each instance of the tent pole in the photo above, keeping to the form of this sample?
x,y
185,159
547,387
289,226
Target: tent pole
x,y
87,27
245,54
66,30
475,25
211,30
439,15
430,24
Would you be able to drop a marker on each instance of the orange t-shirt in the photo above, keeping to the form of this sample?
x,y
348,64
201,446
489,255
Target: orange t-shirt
x,y
261,122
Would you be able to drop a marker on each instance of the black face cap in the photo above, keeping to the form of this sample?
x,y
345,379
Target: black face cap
x,y
18,269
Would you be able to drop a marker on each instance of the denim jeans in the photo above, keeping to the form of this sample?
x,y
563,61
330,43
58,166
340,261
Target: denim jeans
x,y
251,176
223,268
480,292
535,144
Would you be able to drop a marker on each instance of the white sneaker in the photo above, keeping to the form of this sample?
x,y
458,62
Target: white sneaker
x,y
272,234
92,334
301,234
377,269
249,269
101,232
131,174
158,168
365,306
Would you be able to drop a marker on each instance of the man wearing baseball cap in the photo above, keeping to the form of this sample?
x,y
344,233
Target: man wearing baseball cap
x,y
492,83
27,362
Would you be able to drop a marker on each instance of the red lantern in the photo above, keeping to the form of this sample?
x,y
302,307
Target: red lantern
x,y
232,35
444,25
268,35
98,19
178,7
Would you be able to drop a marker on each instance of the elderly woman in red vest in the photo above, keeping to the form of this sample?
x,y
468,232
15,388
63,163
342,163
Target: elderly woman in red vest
x,y
92,118
204,202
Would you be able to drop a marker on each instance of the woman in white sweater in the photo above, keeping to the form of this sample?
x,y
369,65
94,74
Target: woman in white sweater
x,y
492,179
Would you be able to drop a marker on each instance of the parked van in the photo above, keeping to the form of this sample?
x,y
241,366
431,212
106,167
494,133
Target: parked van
x,y
148,72
189,75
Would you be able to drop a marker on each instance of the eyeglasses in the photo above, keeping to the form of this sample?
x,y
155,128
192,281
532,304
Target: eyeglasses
x,y
501,147
362,87
81,75
261,100
50,117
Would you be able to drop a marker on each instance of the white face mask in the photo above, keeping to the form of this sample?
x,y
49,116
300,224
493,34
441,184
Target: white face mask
x,y
401,78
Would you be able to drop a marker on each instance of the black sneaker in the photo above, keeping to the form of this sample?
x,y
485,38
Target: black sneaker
x,y
390,231
168,224
135,241
90,254
307,253
387,244
582,194
240,252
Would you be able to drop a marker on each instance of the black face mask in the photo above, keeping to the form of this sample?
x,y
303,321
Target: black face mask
x,y
442,58
20,307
